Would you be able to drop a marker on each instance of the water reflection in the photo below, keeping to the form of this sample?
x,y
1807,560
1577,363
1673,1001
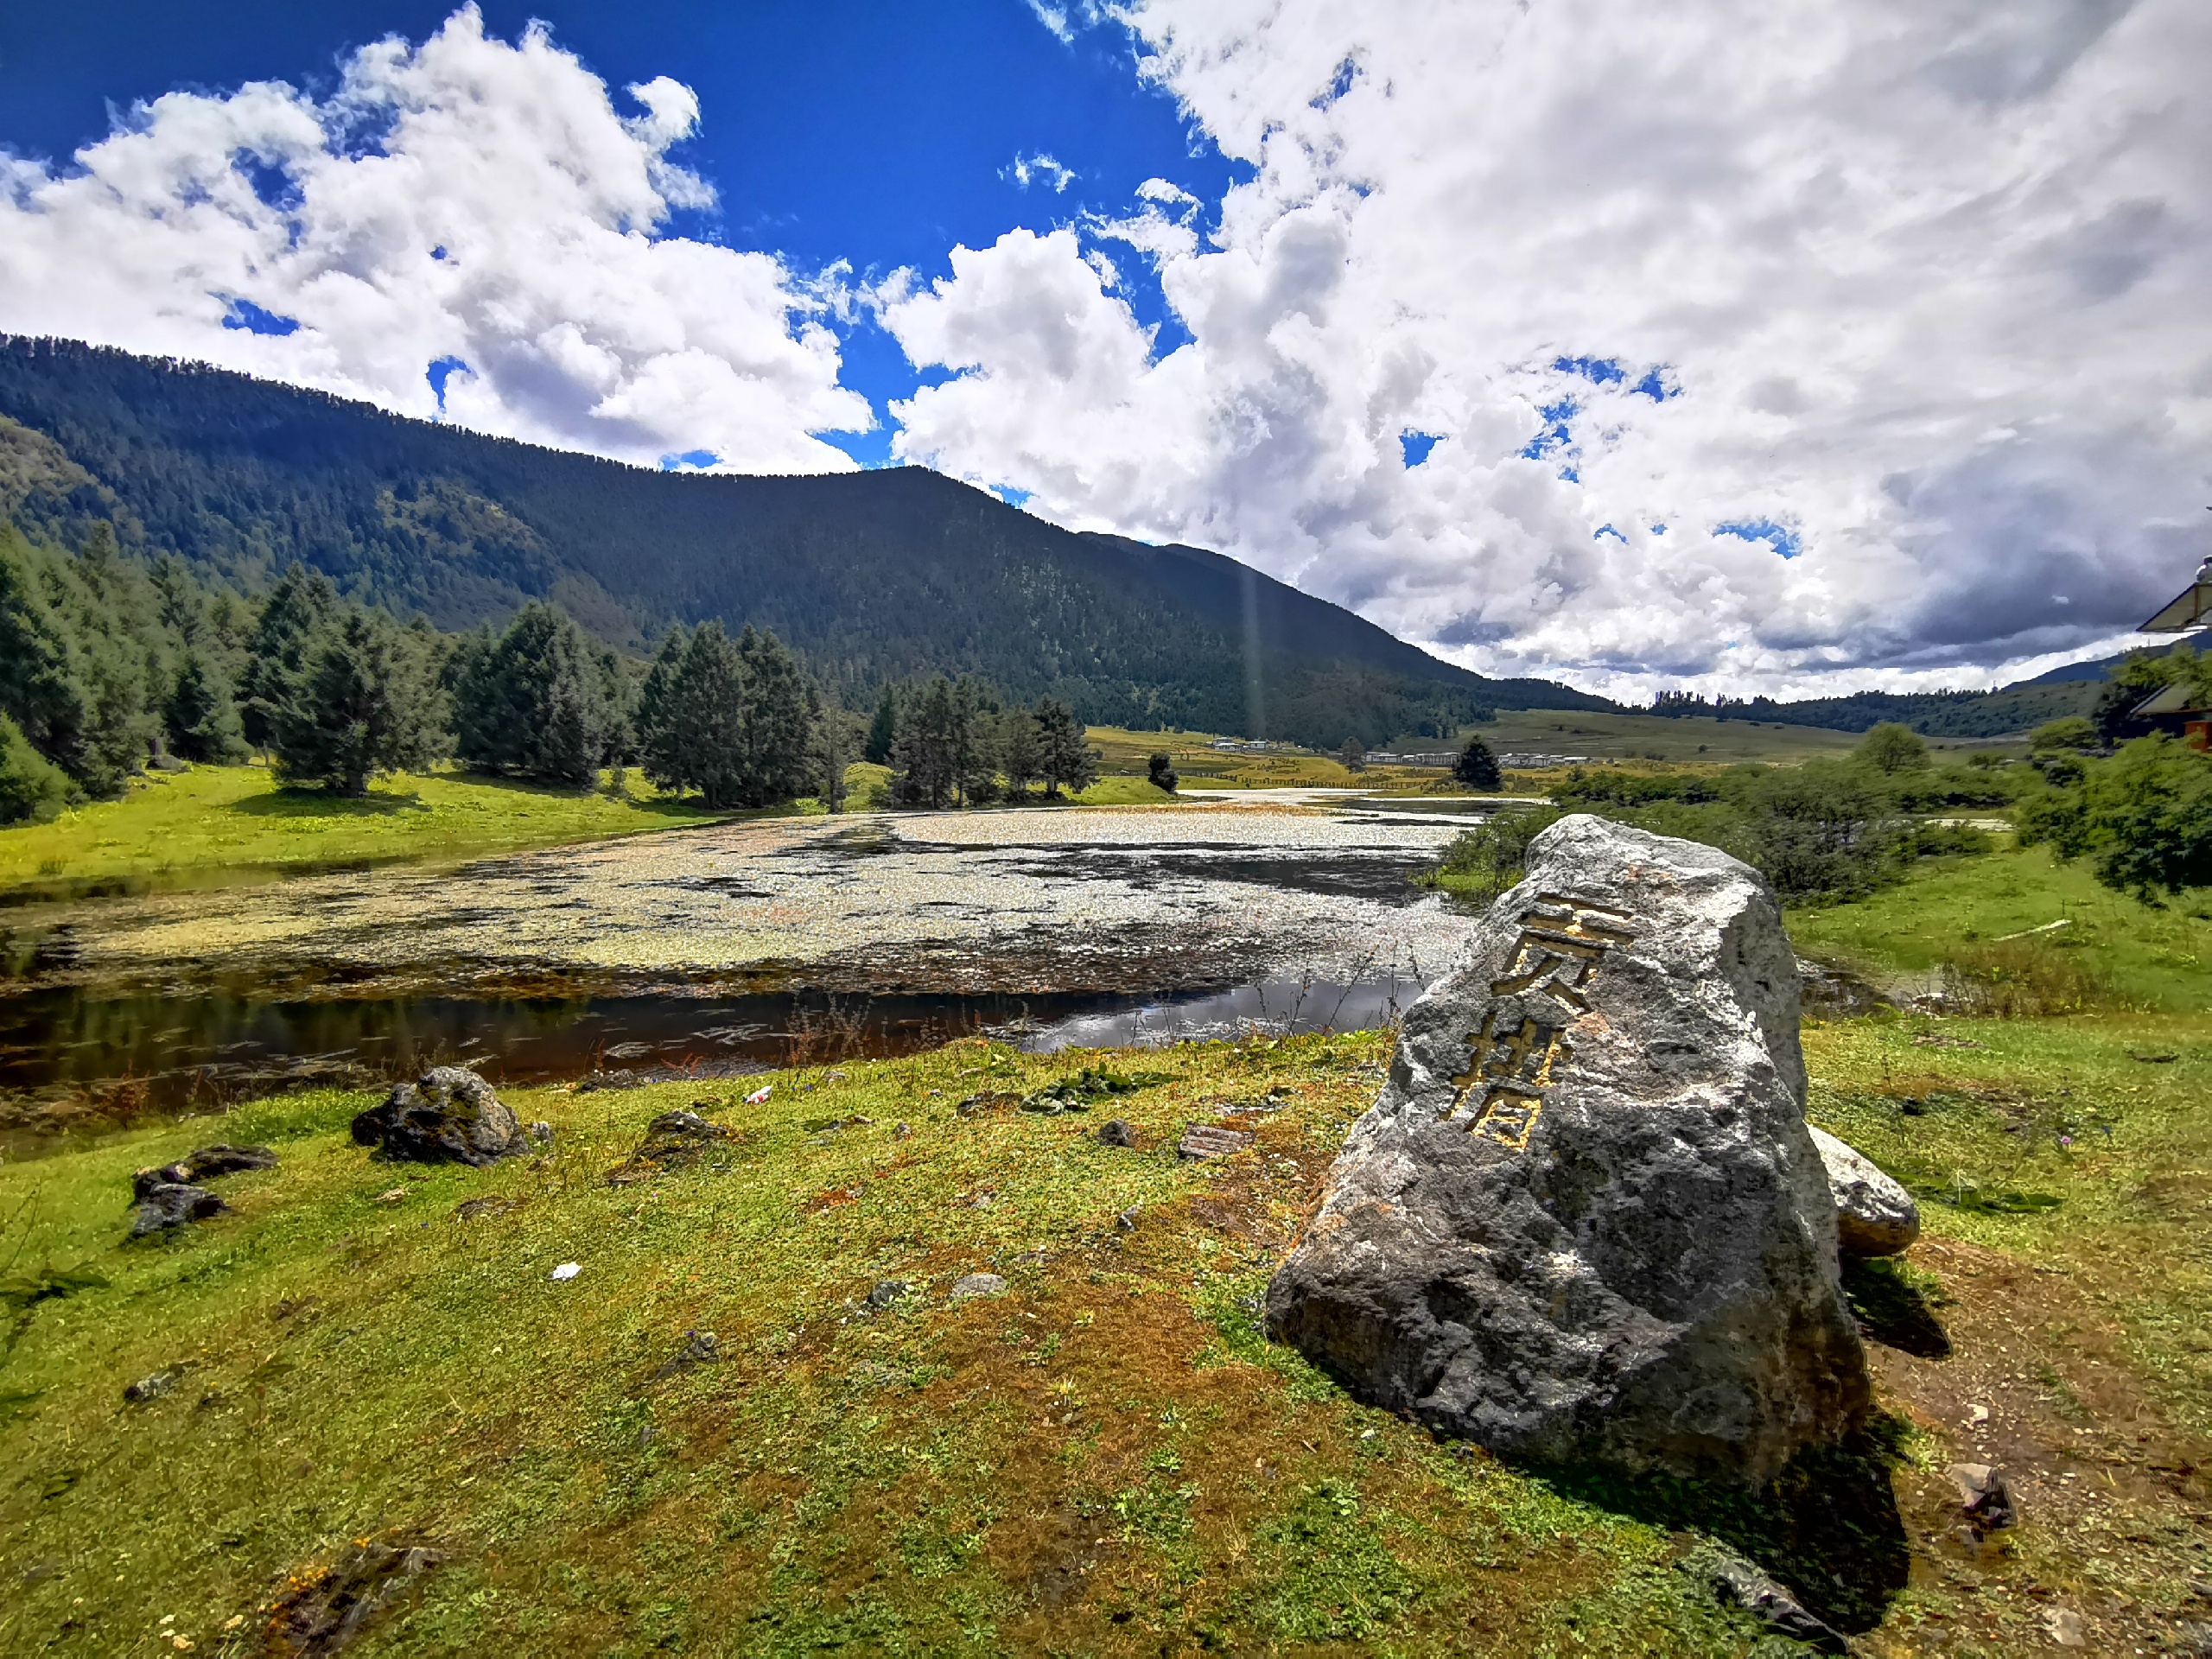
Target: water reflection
x,y
64,1057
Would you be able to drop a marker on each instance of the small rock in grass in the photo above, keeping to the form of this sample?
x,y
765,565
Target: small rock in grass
x,y
323,1608
2066,1628
1115,1132
391,1195
1127,1221
699,1348
902,1132
449,1114
977,1284
565,1272
1735,1582
1984,1498
887,1292
475,1207
540,1135
171,1203
205,1165
672,1141
1211,1141
150,1387
1874,1216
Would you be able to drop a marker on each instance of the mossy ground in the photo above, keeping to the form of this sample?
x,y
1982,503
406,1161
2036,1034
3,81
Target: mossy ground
x,y
1109,1459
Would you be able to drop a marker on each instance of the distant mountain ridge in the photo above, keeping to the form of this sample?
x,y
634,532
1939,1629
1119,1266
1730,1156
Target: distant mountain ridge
x,y
872,576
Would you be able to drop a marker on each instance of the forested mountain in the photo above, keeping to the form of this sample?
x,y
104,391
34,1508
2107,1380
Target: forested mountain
x,y
2009,708
871,577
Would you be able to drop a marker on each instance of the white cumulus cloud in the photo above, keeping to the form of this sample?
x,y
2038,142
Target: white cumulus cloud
x,y
1772,341
463,202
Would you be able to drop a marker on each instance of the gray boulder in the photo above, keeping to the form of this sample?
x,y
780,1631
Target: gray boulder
x,y
171,1203
446,1116
1873,1215
1584,1222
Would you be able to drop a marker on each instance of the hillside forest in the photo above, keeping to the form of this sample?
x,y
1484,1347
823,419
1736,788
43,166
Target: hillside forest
x,y
110,664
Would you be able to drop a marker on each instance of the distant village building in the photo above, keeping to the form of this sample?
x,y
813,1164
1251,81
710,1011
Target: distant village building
x,y
2181,706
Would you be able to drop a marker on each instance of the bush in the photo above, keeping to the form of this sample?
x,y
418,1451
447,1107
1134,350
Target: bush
x,y
2144,817
32,788
2073,732
1483,862
1159,769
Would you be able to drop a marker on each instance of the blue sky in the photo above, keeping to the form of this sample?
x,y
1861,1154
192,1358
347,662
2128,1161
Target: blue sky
x,y
879,134
1580,338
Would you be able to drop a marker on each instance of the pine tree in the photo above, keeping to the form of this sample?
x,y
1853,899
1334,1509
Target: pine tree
x,y
1476,767
833,753
202,718
883,730
298,607
42,687
535,701
656,734
777,721
1069,762
974,740
368,703
927,753
1020,750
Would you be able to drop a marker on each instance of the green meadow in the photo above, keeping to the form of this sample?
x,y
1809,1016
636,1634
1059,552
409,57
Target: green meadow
x,y
1108,1458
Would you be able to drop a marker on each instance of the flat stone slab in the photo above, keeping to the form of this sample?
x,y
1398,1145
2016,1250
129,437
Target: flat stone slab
x,y
1585,1223
1211,1141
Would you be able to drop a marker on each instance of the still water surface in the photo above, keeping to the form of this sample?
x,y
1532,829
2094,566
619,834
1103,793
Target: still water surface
x,y
728,949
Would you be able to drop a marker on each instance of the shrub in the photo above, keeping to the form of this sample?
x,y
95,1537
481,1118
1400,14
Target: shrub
x,y
1483,862
32,788
1159,769
2073,732
2144,817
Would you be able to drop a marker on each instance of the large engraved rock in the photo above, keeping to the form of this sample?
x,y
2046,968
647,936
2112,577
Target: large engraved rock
x,y
1585,1221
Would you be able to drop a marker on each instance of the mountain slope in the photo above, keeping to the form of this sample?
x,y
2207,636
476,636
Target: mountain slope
x,y
873,576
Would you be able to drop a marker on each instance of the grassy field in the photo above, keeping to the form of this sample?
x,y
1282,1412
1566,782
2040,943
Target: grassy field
x,y
1108,1458
1600,737
225,823
2017,917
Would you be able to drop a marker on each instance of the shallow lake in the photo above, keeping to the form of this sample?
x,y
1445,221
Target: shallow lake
x,y
726,948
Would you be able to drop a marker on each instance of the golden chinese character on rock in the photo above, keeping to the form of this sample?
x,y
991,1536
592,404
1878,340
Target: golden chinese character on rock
x,y
1562,943
1563,940
1508,1117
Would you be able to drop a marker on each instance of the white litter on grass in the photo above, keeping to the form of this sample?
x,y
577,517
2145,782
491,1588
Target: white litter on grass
x,y
759,1095
567,1270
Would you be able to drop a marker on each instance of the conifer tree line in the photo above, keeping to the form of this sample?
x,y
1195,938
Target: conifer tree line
x,y
961,743
110,666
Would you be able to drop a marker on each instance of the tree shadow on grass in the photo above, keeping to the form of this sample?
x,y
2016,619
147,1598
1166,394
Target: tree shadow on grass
x,y
290,803
1827,1527
1893,1310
